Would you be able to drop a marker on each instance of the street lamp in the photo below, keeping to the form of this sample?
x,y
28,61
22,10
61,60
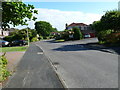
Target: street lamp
x,y
28,37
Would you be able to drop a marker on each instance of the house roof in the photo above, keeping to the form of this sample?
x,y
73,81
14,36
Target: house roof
x,y
77,24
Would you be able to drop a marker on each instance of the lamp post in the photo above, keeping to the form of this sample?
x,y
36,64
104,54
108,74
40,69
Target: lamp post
x,y
28,37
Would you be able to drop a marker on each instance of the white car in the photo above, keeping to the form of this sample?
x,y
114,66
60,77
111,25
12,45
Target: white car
x,y
3,43
87,36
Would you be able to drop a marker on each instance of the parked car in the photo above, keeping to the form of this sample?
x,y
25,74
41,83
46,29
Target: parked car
x,y
3,43
18,43
87,36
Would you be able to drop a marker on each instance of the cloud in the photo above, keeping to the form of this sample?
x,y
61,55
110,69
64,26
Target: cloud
x,y
59,18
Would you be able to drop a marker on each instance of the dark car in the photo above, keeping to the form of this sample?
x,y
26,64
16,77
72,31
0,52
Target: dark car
x,y
18,43
3,43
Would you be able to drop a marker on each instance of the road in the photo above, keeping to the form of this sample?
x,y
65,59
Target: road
x,y
34,71
81,67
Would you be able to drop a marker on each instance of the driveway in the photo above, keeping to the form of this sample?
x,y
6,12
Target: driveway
x,y
82,67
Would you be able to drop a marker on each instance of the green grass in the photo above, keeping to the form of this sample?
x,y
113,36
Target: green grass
x,y
61,40
12,49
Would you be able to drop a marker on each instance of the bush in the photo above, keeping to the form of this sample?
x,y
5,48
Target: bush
x,y
102,34
40,37
34,39
77,34
66,36
113,38
4,73
8,38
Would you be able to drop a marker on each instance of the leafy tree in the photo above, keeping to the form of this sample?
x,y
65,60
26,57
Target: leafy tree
x,y
97,25
17,13
108,26
111,20
44,28
55,30
77,34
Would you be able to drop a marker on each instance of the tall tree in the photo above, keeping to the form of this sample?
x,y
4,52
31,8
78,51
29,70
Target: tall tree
x,y
111,20
43,28
17,13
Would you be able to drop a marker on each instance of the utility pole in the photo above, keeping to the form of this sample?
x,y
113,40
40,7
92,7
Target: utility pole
x,y
28,37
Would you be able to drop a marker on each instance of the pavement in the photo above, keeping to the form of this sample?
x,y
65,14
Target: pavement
x,y
81,66
13,60
34,71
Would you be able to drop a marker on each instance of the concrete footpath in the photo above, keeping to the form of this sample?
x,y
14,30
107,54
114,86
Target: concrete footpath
x,y
34,71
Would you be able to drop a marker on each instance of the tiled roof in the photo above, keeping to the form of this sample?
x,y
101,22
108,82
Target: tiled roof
x,y
77,24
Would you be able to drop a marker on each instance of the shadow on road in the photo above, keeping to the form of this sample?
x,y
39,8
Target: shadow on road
x,y
88,46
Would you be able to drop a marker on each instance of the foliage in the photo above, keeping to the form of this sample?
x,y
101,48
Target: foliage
x,y
113,38
4,73
77,34
40,37
111,20
102,34
17,13
44,28
21,35
107,26
34,39
54,30
98,26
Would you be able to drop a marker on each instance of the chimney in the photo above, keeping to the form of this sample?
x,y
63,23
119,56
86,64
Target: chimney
x,y
66,26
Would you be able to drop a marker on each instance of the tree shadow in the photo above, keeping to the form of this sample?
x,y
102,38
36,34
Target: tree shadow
x,y
88,46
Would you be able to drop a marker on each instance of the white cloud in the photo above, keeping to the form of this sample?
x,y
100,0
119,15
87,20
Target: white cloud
x,y
59,18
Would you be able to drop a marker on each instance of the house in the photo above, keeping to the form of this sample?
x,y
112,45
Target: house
x,y
85,29
6,32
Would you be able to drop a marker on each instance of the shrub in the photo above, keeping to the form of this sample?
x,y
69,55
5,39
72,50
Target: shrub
x,y
66,36
4,73
77,34
34,39
113,38
40,37
102,34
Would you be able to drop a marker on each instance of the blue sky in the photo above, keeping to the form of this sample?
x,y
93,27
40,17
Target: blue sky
x,y
87,7
60,13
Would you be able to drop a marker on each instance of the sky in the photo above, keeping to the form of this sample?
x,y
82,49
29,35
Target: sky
x,y
60,13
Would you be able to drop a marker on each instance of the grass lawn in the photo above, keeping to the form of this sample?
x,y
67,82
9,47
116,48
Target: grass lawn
x,y
12,49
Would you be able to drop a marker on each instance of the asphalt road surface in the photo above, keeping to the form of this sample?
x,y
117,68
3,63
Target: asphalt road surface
x,y
34,71
81,67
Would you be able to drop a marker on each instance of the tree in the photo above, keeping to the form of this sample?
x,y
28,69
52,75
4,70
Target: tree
x,y
55,30
97,25
17,13
21,35
77,34
111,20
107,26
43,28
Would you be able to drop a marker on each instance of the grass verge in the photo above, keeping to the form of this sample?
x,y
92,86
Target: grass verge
x,y
12,49
61,40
